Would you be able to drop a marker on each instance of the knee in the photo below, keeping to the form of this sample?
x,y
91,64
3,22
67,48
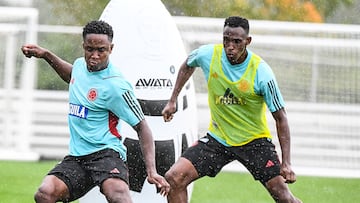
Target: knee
x,y
169,176
43,195
39,196
175,179
115,190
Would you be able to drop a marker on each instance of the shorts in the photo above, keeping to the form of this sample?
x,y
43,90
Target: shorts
x,y
82,173
164,155
259,157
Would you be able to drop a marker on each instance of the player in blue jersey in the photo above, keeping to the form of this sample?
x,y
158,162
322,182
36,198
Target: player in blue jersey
x,y
98,97
240,86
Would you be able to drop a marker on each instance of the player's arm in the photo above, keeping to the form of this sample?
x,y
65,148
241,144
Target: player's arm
x,y
148,150
283,133
274,101
62,67
183,76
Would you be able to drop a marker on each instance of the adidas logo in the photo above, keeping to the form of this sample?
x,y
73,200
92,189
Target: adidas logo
x,y
269,164
229,98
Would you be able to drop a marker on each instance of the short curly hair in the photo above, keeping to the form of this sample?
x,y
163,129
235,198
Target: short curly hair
x,y
98,27
237,21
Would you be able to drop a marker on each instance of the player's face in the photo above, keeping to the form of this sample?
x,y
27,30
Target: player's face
x,y
235,41
97,49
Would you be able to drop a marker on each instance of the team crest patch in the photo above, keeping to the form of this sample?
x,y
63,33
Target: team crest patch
x,y
92,94
244,85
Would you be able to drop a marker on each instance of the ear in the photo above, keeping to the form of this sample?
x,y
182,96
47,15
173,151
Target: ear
x,y
111,47
248,40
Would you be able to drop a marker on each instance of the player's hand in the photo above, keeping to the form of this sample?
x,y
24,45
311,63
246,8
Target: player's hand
x,y
287,173
30,50
168,111
160,183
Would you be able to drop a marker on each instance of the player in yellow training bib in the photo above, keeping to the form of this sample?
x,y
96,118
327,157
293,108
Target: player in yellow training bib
x,y
240,87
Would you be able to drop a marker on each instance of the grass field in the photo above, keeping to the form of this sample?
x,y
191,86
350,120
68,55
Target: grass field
x,y
240,187
19,181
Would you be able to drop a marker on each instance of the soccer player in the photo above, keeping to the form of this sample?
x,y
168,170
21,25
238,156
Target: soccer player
x,y
98,97
240,86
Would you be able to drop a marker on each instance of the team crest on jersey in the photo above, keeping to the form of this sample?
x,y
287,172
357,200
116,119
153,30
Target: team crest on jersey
x,y
92,94
78,110
244,85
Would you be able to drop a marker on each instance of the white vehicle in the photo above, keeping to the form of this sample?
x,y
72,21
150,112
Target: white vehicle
x,y
149,50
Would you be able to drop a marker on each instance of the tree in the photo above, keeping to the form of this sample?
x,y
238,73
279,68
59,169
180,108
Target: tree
x,y
327,7
65,12
69,12
287,10
284,10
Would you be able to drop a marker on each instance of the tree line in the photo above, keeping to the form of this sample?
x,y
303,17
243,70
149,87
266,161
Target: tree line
x,y
70,12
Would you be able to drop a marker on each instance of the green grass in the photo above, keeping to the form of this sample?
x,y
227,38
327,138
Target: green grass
x,y
20,180
240,187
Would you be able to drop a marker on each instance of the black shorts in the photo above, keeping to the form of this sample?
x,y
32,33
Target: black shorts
x,y
259,156
82,173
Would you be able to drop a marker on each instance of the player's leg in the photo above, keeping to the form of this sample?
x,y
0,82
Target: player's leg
x,y
51,190
179,176
261,159
66,182
110,172
116,190
280,191
204,158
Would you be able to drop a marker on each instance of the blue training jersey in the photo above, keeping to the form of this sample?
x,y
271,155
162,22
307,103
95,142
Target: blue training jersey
x,y
265,82
97,100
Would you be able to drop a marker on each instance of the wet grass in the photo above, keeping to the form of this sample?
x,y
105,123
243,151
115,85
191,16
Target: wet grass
x,y
19,181
240,187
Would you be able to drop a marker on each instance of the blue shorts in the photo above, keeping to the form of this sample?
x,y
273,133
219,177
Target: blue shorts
x,y
82,173
259,157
